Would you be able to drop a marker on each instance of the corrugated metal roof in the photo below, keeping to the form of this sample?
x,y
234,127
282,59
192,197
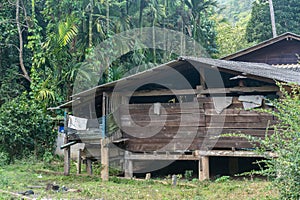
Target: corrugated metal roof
x,y
256,69
142,74
293,67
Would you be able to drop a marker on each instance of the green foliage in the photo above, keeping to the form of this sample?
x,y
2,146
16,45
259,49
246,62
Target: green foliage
x,y
284,143
287,17
17,177
188,174
235,10
48,157
4,158
259,27
25,129
222,179
58,40
11,85
58,36
231,24
231,37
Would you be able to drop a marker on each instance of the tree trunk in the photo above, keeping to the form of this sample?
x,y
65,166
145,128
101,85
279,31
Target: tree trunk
x,y
153,40
107,18
25,73
272,18
141,13
91,24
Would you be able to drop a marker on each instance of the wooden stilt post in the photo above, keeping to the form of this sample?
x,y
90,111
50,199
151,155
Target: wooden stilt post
x,y
89,168
67,162
104,159
202,78
128,165
203,168
79,162
67,151
104,142
233,165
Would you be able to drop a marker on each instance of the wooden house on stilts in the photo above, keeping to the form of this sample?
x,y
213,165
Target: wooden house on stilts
x,y
179,110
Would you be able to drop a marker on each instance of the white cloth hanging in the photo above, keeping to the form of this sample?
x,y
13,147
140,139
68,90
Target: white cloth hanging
x,y
77,123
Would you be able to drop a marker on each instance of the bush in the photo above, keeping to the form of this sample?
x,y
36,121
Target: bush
x,y
25,129
284,143
4,158
222,179
188,174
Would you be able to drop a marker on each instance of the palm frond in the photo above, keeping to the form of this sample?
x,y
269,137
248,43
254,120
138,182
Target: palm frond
x,y
67,30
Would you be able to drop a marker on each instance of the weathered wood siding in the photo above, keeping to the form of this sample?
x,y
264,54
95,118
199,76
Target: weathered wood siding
x,y
274,54
189,126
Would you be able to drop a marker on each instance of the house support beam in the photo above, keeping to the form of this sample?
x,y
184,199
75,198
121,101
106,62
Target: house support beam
x,y
67,159
159,156
233,165
67,150
202,90
203,168
201,156
252,154
79,160
105,159
104,141
89,168
239,89
128,166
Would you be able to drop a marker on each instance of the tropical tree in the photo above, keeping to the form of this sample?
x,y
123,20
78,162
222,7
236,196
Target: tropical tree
x,y
287,14
231,37
45,43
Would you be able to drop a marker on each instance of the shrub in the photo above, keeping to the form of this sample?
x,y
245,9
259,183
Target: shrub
x,y
222,179
4,158
188,174
25,128
284,169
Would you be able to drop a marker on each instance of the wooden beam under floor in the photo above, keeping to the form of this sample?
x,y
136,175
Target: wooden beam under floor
x,y
227,153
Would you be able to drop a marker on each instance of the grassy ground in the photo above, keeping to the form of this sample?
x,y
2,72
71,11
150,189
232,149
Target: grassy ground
x,y
22,176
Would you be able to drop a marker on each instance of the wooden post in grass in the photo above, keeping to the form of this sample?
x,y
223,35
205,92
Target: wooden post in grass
x,y
79,162
203,168
67,151
104,142
67,161
89,168
233,165
128,165
104,159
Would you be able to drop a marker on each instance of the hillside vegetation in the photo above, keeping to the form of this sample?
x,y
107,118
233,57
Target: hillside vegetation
x,y
235,10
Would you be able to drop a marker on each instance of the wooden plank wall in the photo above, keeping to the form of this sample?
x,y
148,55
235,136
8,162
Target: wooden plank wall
x,y
188,126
